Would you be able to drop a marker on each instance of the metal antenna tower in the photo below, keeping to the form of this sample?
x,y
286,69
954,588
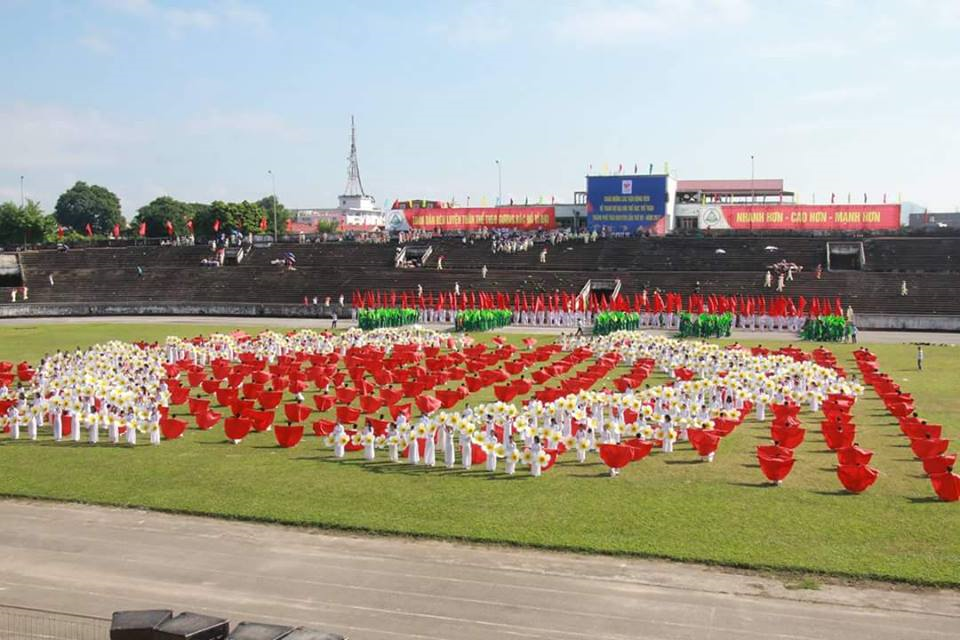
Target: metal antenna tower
x,y
354,184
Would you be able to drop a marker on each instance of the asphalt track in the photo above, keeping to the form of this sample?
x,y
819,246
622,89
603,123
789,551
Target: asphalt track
x,y
94,560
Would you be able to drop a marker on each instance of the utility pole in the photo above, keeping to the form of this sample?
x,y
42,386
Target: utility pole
x,y
499,184
21,192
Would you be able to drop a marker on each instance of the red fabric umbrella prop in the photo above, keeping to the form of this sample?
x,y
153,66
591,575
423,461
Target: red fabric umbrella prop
x,y
324,403
198,406
172,428
838,436
856,478
639,449
270,400
616,456
288,436
236,429
789,437
853,455
347,415
207,419
939,464
704,442
324,427
428,404
775,469
947,486
260,420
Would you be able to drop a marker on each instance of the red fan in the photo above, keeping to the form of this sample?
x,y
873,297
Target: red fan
x,y
947,486
703,441
207,419
179,395
197,406
939,464
236,429
927,448
296,412
397,409
172,428
227,396
270,400
390,396
838,436
252,390
195,378
323,427
477,454
260,420
347,415
288,435
210,386
616,456
345,395
639,449
789,437
427,404
775,469
239,406
856,478
324,403
370,404
504,393
853,455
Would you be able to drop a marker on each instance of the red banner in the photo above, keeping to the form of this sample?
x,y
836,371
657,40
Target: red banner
x,y
827,217
467,219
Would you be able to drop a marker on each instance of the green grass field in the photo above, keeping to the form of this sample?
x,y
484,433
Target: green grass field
x,y
669,506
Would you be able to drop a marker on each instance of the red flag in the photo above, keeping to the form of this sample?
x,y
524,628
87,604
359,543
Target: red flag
x,y
59,231
216,224
89,230
190,225
116,231
289,225
169,226
263,224
839,307
143,229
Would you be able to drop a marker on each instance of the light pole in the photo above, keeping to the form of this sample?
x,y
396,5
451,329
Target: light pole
x,y
21,192
499,184
753,191
273,180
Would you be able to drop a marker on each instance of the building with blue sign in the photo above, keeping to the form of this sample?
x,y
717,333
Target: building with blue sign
x,y
631,204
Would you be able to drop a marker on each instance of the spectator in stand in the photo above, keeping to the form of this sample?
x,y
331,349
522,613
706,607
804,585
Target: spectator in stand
x,y
25,291
780,283
440,263
768,280
50,277
819,271
903,288
483,272
13,294
543,256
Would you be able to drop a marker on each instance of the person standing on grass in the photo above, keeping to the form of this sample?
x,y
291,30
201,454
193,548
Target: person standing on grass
x,y
919,358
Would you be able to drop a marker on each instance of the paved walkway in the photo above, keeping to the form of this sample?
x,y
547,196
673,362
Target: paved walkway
x,y
92,560
866,337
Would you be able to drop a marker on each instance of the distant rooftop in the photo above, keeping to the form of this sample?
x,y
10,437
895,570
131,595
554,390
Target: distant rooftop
x,y
733,187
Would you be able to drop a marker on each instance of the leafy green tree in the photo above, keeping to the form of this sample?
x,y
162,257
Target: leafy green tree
x,y
84,204
283,214
25,225
327,226
241,216
163,209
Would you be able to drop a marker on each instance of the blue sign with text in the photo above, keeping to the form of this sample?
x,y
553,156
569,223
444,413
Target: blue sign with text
x,y
626,203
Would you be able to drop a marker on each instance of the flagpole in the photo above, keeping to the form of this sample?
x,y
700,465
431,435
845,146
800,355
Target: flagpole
x,y
273,180
499,184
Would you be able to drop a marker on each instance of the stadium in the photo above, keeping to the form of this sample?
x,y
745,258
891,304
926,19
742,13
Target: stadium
x,y
657,404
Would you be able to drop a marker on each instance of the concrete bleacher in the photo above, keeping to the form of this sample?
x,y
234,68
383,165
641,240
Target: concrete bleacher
x,y
174,274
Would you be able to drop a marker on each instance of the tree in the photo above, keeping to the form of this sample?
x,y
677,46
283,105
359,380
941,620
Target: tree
x,y
266,203
327,226
25,225
160,211
84,204
233,216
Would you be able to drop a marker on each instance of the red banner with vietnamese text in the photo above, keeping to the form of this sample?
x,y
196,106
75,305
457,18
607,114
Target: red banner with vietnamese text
x,y
472,218
826,217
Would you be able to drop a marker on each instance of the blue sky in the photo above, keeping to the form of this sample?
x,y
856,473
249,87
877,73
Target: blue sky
x,y
198,100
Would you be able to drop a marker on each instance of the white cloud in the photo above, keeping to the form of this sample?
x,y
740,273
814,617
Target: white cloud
x,y
605,23
211,16
803,49
43,136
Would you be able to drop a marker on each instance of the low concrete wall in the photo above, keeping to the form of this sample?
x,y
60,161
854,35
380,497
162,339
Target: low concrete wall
x,y
908,323
31,310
